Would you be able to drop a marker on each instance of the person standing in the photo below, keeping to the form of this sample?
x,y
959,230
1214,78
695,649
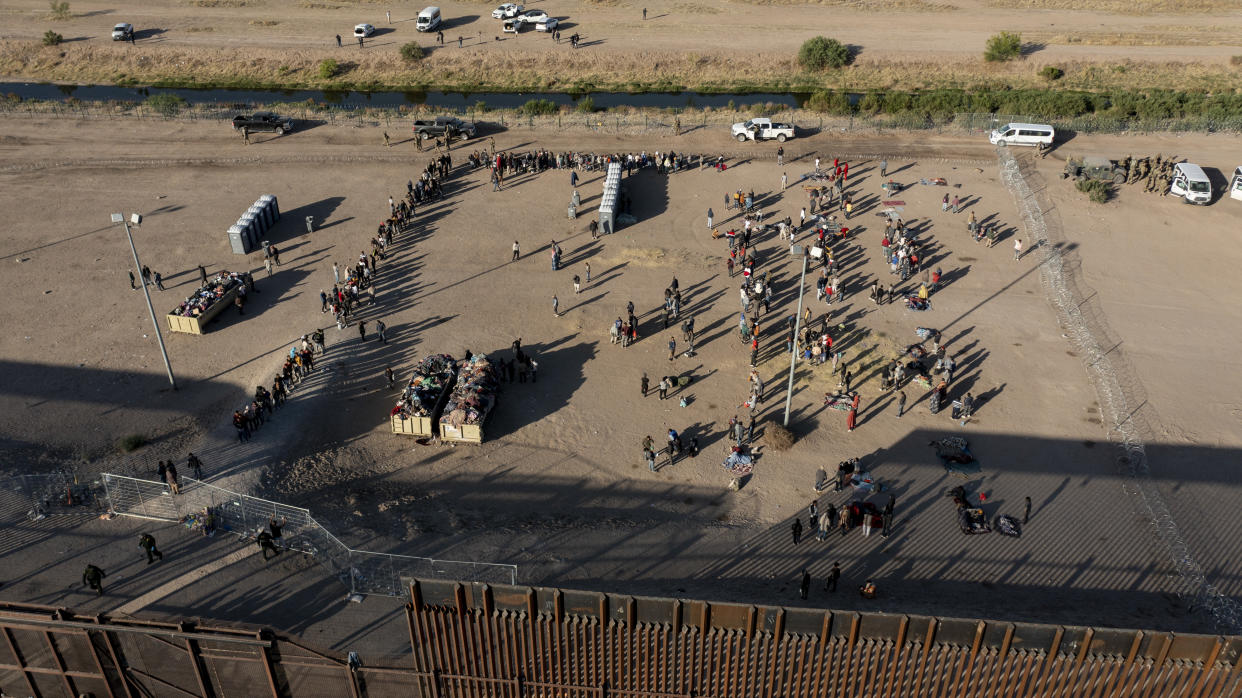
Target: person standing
x,y
92,577
957,204
323,301
388,14
1026,513
797,531
780,156
556,306
968,406
361,43
805,586
644,14
338,40
388,374
573,178
649,456
888,517
577,285
159,280
1017,249
196,466
852,418
663,386
134,287
379,329
884,168
202,275
901,403
646,384
834,575
170,475
784,181
588,272
147,543
362,329
266,544
672,348
710,216
516,251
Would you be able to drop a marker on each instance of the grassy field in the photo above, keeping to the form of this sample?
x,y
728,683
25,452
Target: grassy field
x,y
1124,7
520,71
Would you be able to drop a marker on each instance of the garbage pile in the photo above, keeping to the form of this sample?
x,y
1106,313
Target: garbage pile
x,y
215,290
475,395
433,376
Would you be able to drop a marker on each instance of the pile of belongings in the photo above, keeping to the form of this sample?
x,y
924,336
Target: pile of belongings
x,y
209,295
916,303
838,401
739,463
475,394
956,456
432,377
1008,525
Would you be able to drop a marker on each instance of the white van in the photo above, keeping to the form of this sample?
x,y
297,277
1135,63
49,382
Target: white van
x,y
1235,184
428,19
1191,183
1023,134
547,24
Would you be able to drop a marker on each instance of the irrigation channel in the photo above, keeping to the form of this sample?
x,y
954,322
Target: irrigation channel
x,y
452,100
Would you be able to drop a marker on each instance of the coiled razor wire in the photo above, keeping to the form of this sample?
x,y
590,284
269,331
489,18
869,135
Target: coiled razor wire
x,y
1118,388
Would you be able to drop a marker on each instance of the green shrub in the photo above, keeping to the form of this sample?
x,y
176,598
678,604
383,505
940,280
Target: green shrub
x,y
1098,191
328,68
1051,72
536,107
829,102
820,53
1004,46
412,52
586,105
481,106
51,38
131,442
167,104
60,10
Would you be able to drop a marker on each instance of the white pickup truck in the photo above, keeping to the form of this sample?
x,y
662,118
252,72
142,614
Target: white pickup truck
x,y
762,129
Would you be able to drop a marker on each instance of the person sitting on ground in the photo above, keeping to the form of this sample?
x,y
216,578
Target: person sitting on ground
x,y
867,589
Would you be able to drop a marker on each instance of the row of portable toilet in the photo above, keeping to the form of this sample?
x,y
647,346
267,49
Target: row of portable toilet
x,y
608,201
247,234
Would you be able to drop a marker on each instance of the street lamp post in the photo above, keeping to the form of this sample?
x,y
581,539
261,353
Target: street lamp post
x,y
137,219
793,355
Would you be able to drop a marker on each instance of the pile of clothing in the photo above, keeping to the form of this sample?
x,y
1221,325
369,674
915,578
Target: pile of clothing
x,y
432,377
208,295
475,394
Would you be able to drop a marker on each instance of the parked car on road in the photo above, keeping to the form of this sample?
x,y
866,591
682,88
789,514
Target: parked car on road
x,y
507,11
123,31
363,30
548,24
445,126
263,121
762,129
1191,184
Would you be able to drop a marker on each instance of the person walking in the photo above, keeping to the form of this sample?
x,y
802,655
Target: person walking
x,y
644,14
646,384
805,586
556,306
797,531
159,280
379,329
266,544
170,475
93,577
824,524
887,517
338,40
390,376
957,204
577,285
195,465
901,404
834,575
1026,513
362,329
134,286
147,543
664,387
884,168
672,348
516,251
387,143
1017,249
650,457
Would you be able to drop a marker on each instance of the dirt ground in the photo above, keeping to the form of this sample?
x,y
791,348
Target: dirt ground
x,y
558,488
893,41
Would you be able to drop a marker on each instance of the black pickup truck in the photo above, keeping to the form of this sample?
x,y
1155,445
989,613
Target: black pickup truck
x,y
263,121
449,126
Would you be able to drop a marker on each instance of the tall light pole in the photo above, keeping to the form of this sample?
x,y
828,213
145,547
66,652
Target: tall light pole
x,y
793,355
137,219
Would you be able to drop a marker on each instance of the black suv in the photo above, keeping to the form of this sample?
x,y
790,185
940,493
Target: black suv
x,y
263,121
449,126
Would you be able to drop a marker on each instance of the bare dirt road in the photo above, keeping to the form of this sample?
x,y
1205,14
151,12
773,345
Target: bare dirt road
x,y
905,44
559,488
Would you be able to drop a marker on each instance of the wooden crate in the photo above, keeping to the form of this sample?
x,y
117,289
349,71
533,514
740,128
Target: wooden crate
x,y
195,325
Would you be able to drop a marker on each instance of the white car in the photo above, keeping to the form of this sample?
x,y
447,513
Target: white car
x,y
533,16
762,129
123,32
548,24
363,30
507,11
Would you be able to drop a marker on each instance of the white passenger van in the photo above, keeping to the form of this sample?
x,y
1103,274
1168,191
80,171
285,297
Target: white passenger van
x,y
428,19
1191,183
1023,134
1235,184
